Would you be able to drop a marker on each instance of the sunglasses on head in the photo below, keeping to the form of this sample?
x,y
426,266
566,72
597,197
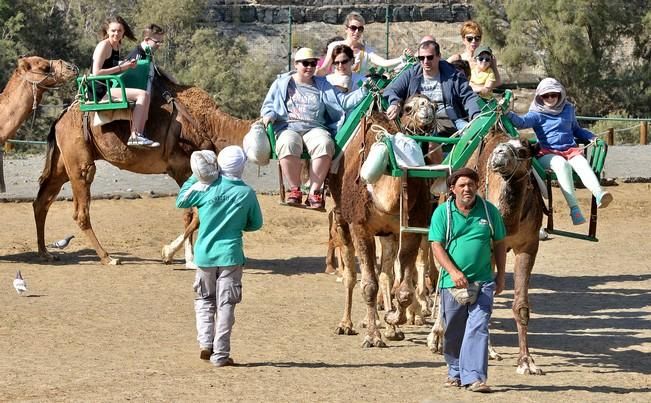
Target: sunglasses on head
x,y
550,95
341,62
475,38
483,59
356,28
428,57
308,63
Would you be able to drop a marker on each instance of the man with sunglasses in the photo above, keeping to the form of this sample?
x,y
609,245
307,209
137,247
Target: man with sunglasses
x,y
441,83
306,111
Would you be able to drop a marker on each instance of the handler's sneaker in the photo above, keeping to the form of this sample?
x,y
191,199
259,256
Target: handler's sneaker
x,y
480,387
225,363
577,217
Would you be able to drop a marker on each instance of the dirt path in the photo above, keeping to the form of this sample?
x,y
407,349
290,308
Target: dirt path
x,y
92,333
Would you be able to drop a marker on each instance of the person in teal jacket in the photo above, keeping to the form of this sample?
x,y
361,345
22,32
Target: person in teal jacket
x,y
227,206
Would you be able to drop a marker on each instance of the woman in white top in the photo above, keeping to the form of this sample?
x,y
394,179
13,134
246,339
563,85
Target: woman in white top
x,y
365,57
343,77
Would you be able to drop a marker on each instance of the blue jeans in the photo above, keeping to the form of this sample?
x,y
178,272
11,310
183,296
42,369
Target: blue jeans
x,y
465,341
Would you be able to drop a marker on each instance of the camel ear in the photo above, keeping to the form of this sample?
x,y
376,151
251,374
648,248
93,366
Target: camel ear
x,y
23,65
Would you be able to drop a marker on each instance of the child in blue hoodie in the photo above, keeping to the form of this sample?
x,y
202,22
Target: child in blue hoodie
x,y
553,119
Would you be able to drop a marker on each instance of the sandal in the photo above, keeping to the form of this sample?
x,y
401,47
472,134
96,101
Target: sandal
x,y
480,387
138,140
295,196
315,201
452,382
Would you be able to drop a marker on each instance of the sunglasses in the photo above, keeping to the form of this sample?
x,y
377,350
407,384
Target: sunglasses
x,y
475,38
155,41
484,59
549,95
428,57
341,62
308,63
356,28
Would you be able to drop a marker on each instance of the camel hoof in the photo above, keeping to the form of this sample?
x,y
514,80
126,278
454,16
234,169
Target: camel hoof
x,y
167,254
48,257
330,270
373,341
526,366
494,355
111,261
394,335
345,330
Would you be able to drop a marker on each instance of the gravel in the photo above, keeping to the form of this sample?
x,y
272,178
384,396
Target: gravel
x,y
624,164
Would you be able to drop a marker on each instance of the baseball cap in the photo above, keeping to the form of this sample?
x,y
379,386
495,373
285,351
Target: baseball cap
x,y
483,49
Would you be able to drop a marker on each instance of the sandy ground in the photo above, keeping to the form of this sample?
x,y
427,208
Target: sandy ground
x,y
87,332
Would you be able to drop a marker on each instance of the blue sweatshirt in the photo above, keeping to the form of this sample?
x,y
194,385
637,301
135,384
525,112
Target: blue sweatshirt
x,y
226,208
554,132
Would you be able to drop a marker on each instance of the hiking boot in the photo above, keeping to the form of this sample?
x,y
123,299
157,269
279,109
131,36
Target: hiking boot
x,y
604,199
138,140
225,363
295,196
205,353
315,201
480,387
577,217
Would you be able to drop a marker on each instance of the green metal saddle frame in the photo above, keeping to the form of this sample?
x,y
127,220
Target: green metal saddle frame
x,y
132,78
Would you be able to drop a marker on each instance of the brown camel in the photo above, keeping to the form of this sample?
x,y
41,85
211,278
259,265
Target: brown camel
x,y
192,122
360,214
504,167
24,92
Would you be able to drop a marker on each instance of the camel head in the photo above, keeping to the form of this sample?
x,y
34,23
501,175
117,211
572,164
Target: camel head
x,y
45,73
511,159
419,115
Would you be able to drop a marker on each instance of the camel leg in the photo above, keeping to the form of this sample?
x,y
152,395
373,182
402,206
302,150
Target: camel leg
x,y
389,245
404,292
49,188
332,248
349,275
365,248
524,262
191,223
420,306
81,171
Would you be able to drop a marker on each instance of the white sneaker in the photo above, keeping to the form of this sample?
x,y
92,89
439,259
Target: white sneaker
x,y
142,141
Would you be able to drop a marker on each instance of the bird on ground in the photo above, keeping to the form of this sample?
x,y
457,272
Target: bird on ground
x,y
61,243
19,283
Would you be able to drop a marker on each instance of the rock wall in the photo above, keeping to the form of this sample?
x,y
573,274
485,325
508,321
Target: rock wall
x,y
334,11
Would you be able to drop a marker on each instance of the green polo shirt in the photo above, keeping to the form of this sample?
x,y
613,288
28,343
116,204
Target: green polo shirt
x,y
470,239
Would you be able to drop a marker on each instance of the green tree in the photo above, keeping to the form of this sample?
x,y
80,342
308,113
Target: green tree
x,y
594,47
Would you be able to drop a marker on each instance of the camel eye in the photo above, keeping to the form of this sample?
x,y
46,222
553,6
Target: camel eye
x,y
408,109
522,153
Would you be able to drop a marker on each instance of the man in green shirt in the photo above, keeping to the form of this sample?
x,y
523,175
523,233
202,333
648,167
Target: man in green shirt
x,y
462,231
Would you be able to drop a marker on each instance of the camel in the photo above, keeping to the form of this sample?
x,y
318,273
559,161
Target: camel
x,y
24,92
504,167
360,214
192,122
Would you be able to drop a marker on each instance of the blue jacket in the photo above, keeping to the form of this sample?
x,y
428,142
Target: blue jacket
x,y
226,208
337,104
459,99
554,132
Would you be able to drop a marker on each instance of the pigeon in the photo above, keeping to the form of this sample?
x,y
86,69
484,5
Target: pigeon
x,y
61,243
19,284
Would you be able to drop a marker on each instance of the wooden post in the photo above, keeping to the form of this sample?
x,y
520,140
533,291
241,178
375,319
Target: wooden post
x,y
9,147
644,132
610,136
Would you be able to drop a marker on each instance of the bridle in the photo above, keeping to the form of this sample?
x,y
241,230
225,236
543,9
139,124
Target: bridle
x,y
36,84
519,160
